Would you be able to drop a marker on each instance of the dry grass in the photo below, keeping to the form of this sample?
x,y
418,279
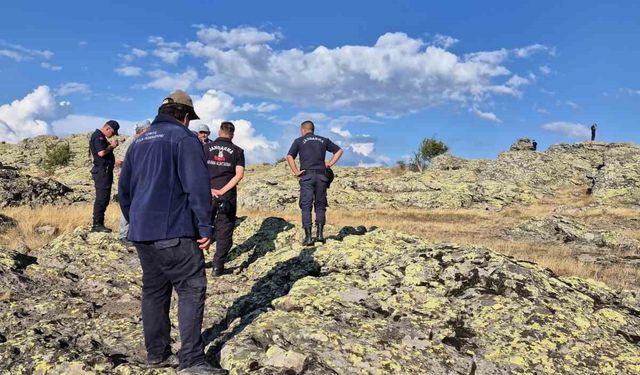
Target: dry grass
x,y
463,226
65,218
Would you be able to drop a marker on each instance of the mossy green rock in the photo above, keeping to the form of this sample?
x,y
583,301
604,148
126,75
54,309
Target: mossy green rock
x,y
366,302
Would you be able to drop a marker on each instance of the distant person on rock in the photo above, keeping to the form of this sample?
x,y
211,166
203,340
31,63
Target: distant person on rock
x,y
314,176
203,133
120,154
102,171
225,162
165,196
594,128
535,145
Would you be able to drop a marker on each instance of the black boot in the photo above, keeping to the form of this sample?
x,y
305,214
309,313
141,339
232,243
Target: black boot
x,y
320,236
308,237
98,226
218,268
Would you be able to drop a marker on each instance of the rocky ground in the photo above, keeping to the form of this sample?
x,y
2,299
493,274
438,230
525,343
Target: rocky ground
x,y
593,245
610,172
369,301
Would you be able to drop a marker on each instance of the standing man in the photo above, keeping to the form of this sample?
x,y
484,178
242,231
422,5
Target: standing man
x,y
121,153
313,176
102,170
165,197
225,162
203,133
535,145
594,128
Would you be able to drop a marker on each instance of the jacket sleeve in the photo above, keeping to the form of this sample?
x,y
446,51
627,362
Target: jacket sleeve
x,y
192,171
124,188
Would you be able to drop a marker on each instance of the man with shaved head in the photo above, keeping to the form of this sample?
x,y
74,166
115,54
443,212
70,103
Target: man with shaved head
x,y
314,176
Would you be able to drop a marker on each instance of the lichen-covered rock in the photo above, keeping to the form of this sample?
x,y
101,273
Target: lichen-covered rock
x,y
18,189
7,223
608,171
599,246
366,302
523,144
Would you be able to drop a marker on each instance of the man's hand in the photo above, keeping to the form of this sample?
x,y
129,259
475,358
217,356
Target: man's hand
x,y
328,164
114,143
203,243
300,173
216,193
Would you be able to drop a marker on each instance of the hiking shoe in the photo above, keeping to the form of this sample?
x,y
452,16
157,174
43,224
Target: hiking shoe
x,y
100,228
170,361
308,237
203,368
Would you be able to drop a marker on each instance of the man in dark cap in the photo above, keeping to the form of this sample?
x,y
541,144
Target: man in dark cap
x,y
313,176
225,162
102,171
165,196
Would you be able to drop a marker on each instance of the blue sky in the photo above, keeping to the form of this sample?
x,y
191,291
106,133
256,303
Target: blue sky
x,y
377,77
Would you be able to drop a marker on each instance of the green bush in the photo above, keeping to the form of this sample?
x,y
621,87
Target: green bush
x,y
56,154
429,149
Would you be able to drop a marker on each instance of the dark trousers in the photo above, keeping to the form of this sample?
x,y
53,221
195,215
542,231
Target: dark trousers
x,y
102,179
593,135
313,193
224,220
177,263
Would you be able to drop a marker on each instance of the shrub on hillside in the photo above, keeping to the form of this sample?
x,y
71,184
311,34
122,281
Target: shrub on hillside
x,y
429,149
56,154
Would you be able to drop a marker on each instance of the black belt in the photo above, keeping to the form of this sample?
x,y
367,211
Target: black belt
x,y
315,171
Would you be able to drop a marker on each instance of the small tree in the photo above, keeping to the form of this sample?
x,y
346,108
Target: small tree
x,y
56,154
429,149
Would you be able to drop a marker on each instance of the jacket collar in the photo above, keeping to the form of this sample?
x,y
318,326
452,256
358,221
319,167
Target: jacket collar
x,y
224,139
166,118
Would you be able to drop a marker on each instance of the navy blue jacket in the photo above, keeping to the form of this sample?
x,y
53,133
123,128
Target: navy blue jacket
x,y
164,188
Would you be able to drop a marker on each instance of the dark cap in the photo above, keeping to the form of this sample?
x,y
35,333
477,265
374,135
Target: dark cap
x,y
113,124
181,97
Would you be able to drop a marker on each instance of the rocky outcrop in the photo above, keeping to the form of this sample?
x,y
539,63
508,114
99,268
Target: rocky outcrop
x,y
608,172
599,246
367,301
18,189
523,144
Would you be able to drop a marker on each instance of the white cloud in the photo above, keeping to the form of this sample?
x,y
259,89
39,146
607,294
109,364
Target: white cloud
x,y
517,81
364,149
169,52
571,104
11,54
631,92
163,80
533,49
137,52
20,53
230,38
444,41
545,70
75,123
49,66
263,107
30,116
72,88
568,129
542,110
341,132
213,104
398,74
489,116
129,71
